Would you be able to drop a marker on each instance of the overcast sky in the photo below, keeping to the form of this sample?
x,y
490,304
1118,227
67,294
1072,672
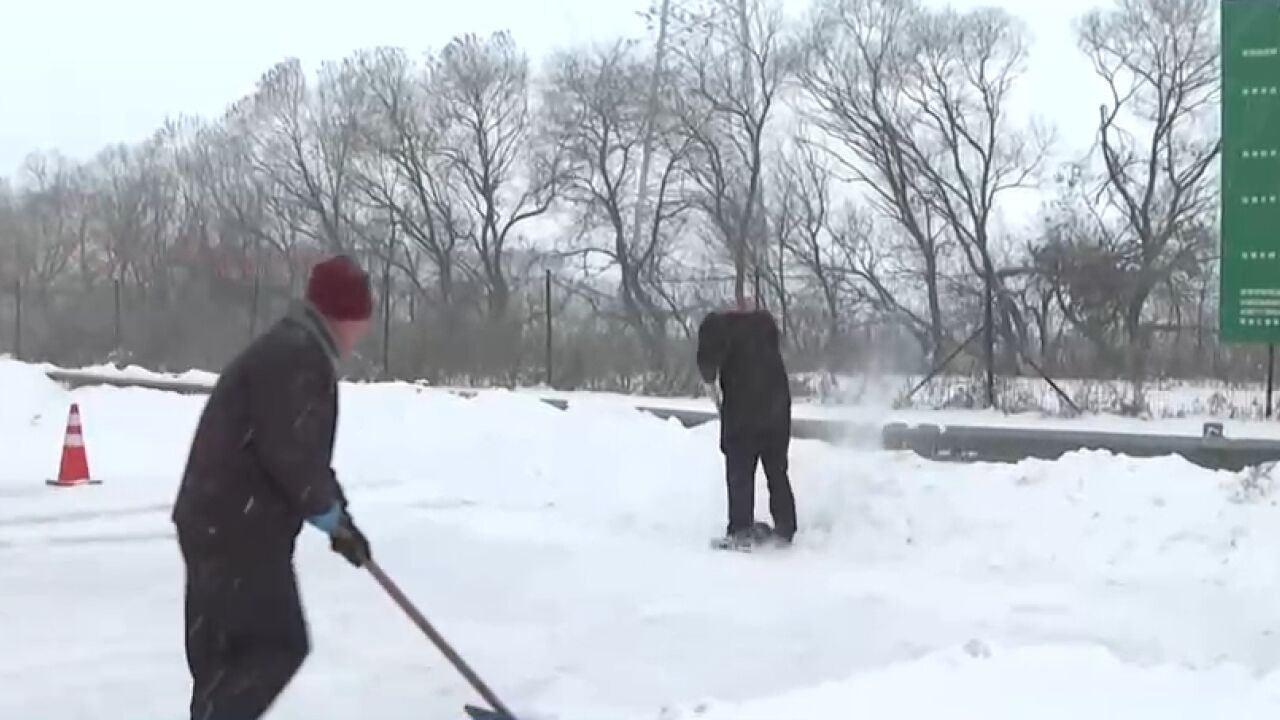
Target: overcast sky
x,y
76,75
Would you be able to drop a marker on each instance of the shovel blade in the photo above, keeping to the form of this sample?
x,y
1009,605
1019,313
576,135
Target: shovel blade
x,y
478,713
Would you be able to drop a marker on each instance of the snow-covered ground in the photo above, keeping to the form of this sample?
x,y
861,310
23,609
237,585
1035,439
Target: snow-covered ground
x,y
565,554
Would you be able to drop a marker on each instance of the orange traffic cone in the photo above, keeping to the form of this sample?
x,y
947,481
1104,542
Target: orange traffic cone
x,y
74,468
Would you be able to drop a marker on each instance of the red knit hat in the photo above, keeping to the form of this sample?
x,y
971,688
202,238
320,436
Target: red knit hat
x,y
339,289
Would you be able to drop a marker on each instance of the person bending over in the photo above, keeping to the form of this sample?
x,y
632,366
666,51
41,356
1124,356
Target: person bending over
x,y
741,349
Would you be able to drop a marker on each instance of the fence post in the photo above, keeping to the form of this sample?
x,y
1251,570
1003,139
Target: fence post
x,y
116,283
1271,375
989,334
17,320
386,320
547,297
253,310
782,283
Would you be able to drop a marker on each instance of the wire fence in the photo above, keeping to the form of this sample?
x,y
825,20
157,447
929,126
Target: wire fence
x,y
546,339
1167,398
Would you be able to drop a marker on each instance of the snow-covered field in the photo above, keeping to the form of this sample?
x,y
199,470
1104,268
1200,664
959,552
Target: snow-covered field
x,y
565,554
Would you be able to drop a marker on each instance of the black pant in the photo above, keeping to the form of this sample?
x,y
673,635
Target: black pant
x,y
741,453
246,635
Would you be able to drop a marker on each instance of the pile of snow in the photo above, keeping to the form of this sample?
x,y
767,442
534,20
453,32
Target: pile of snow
x,y
25,392
135,372
1045,683
565,553
1088,516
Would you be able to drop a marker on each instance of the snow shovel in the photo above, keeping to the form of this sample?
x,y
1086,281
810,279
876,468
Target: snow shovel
x,y
500,711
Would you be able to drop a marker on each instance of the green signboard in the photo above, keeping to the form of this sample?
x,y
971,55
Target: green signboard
x,y
1250,255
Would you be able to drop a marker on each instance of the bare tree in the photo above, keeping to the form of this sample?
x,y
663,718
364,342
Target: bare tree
x,y
404,175
859,61
732,57
219,169
920,98
653,108
501,176
1159,62
9,208
597,115
53,227
121,207
970,64
803,213
303,143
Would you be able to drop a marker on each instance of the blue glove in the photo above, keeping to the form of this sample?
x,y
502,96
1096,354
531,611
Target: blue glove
x,y
329,520
344,537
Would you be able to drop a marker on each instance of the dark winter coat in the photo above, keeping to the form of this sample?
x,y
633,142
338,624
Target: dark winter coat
x,y
743,350
260,461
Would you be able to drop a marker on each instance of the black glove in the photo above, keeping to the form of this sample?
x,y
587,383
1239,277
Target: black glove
x,y
348,541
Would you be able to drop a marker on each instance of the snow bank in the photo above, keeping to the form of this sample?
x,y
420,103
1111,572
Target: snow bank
x,y
605,465
25,393
135,372
1089,514
1045,683
33,417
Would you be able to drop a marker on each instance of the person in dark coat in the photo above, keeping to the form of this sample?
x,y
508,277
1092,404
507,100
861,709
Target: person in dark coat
x,y
741,349
258,468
